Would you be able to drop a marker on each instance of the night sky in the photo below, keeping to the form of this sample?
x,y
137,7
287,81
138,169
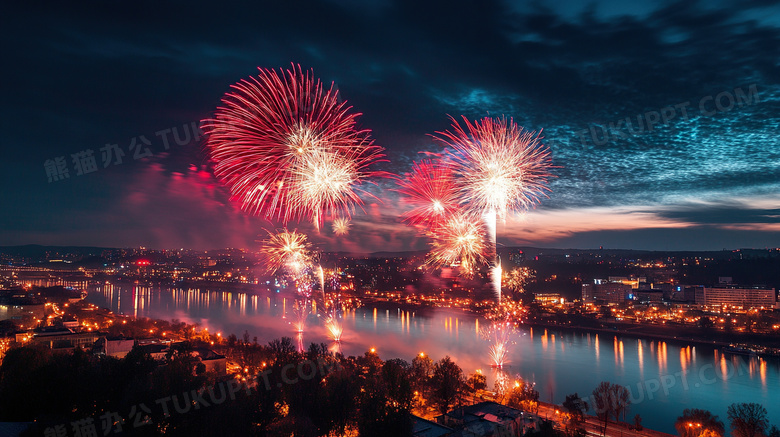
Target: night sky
x,y
662,117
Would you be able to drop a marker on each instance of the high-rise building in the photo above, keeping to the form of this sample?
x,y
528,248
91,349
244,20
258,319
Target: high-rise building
x,y
743,298
607,292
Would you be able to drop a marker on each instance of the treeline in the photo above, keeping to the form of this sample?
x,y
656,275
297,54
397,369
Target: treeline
x,y
280,391
745,420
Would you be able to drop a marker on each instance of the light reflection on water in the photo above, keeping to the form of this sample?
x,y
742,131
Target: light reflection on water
x,y
560,363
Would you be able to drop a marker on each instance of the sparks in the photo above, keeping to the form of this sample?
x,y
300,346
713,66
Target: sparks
x,y
288,148
502,167
334,327
301,313
460,240
287,250
431,191
341,226
499,334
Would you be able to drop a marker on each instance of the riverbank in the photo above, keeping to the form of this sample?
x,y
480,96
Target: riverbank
x,y
649,333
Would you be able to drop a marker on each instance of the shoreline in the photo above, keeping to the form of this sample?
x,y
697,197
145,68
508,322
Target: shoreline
x,y
715,344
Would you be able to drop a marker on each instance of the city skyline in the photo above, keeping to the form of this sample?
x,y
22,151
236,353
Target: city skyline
x,y
661,142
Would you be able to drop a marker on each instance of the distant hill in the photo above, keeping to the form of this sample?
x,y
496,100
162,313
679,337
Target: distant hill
x,y
38,251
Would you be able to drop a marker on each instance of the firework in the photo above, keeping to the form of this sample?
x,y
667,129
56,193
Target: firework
x,y
495,275
341,226
288,148
502,383
332,324
498,354
501,166
431,191
334,328
517,278
301,313
460,240
321,277
499,333
335,280
287,250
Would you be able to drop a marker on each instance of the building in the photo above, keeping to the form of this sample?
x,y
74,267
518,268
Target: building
x,y
212,361
425,428
22,311
548,298
740,298
157,351
649,296
606,292
489,419
517,257
117,347
59,338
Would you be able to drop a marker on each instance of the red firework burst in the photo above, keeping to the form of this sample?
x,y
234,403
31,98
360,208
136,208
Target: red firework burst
x,y
430,189
458,240
288,148
501,167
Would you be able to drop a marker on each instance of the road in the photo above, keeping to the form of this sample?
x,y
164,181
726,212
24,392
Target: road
x,y
593,425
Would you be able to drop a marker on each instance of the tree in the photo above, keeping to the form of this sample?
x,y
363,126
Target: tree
x,y
476,382
601,403
396,373
574,414
621,399
695,422
575,405
385,401
638,423
422,370
773,432
523,396
610,400
448,383
747,419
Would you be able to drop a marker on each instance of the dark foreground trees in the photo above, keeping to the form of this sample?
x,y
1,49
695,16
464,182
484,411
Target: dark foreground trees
x,y
695,422
310,393
748,420
745,419
610,400
448,384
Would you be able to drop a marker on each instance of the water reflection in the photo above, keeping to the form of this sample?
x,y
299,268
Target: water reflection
x,y
403,333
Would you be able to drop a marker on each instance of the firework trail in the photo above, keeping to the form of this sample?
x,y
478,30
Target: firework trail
x,y
321,277
332,323
334,327
501,384
300,313
430,189
495,275
288,148
499,334
341,226
501,168
459,240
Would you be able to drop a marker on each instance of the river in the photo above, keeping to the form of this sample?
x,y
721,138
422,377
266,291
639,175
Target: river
x,y
663,377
